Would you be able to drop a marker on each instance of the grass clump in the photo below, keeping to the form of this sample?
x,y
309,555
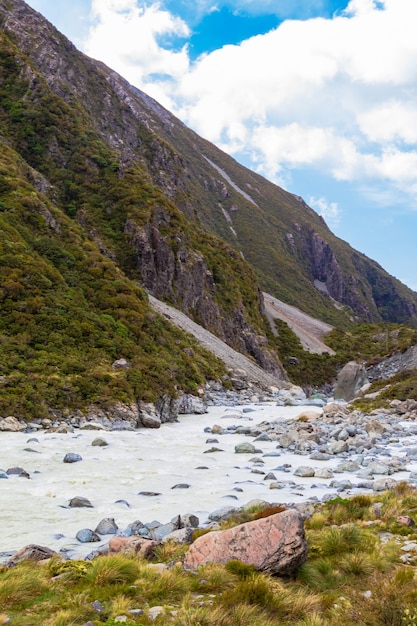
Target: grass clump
x,y
351,576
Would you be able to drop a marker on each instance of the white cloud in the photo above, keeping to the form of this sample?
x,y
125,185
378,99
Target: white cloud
x,y
126,37
337,95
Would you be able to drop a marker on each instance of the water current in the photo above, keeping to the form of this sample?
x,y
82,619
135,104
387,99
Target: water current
x,y
36,510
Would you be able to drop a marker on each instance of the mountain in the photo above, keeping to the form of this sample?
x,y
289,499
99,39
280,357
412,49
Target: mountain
x,y
105,194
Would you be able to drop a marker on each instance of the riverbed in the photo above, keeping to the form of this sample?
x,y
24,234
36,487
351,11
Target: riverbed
x,y
172,461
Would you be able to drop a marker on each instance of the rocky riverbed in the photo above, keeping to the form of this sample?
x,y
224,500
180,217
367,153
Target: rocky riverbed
x,y
73,491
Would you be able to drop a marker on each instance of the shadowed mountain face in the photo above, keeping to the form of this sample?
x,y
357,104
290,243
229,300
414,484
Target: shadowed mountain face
x,y
104,192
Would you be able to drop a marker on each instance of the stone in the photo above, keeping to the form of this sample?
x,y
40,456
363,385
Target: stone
x,y
304,471
308,416
80,502
188,520
18,471
92,426
291,397
138,545
162,531
99,442
86,535
11,424
181,536
376,467
405,520
189,404
350,379
384,483
221,514
31,552
275,545
107,526
148,416
121,364
323,473
347,466
245,448
337,447
373,426
72,457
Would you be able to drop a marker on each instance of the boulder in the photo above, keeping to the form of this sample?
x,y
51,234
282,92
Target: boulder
x,y
72,457
181,536
80,502
189,404
350,379
18,471
86,535
245,448
99,442
144,547
304,471
31,552
107,526
11,424
274,544
148,416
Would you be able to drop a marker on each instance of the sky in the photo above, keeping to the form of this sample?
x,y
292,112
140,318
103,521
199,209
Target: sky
x,y
318,96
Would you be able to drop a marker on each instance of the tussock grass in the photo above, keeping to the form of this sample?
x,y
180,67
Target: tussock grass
x,y
112,570
18,586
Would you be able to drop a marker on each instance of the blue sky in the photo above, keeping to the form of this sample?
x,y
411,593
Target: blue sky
x,y
319,96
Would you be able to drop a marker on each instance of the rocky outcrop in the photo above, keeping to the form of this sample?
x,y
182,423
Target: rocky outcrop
x,y
329,277
275,544
181,275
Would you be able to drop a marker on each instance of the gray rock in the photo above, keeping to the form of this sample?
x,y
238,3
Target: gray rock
x,y
304,471
31,552
18,471
347,466
72,457
224,513
80,502
86,535
157,534
320,456
107,526
323,473
337,447
350,379
379,468
188,520
341,485
384,483
245,448
99,442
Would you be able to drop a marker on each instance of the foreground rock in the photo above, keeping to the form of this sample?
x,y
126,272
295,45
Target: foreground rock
x,y
31,552
275,545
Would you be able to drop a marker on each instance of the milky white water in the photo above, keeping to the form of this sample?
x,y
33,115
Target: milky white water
x,y
36,510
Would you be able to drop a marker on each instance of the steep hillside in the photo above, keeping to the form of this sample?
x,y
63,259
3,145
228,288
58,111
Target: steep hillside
x,y
103,193
295,256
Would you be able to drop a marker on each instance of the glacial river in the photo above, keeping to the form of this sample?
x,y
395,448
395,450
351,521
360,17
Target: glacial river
x,y
36,510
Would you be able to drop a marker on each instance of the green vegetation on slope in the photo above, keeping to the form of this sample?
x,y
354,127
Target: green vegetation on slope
x,y
68,313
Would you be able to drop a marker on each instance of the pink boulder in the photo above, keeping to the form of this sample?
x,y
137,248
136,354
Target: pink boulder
x,y
138,545
274,544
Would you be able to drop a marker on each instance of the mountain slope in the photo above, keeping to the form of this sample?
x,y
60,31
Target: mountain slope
x,y
294,254
104,192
